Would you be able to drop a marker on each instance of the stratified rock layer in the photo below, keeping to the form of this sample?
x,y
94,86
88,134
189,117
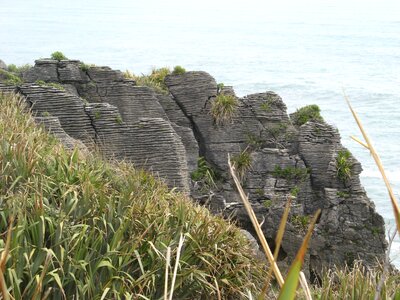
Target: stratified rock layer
x,y
168,133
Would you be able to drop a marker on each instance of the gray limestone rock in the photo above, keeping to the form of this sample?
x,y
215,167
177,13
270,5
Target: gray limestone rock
x,y
150,143
3,65
68,108
44,69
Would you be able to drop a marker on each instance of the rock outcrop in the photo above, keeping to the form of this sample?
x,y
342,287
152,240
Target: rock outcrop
x,y
168,134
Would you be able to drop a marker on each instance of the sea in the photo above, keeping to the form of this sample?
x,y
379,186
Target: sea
x,y
307,51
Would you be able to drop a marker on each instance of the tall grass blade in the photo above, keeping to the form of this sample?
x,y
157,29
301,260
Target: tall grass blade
x,y
378,162
178,255
278,242
3,260
256,225
167,265
288,291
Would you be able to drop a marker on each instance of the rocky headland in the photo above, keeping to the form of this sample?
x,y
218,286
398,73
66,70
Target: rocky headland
x,y
177,135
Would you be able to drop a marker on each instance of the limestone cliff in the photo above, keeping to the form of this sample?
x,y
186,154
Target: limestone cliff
x,y
167,134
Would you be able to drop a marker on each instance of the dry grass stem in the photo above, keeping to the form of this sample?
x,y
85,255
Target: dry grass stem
x,y
178,255
256,225
167,265
378,162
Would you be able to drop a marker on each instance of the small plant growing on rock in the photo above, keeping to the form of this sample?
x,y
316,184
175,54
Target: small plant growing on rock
x,y
266,106
267,203
242,163
9,78
300,221
19,70
178,70
220,87
294,191
154,80
85,67
55,85
290,173
204,173
305,114
118,119
58,55
343,165
46,114
343,194
97,114
224,108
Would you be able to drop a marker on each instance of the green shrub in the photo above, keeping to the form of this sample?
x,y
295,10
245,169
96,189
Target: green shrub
x,y
343,165
299,221
224,108
342,194
58,56
10,78
220,87
154,80
85,67
267,203
266,106
89,229
242,163
291,173
118,119
19,70
178,70
204,173
55,85
294,191
305,114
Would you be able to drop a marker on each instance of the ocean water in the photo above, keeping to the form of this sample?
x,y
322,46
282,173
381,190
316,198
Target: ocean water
x,y
307,51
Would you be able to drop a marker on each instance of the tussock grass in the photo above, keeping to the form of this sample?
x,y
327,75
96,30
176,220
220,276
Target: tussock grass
x,y
58,55
224,108
305,114
154,80
89,229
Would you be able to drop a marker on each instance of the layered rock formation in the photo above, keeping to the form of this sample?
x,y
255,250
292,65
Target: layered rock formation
x,y
168,133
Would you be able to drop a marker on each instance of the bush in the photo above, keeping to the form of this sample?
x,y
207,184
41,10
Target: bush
x,y
204,173
343,165
19,70
55,85
10,78
305,114
242,163
85,67
178,70
154,80
58,56
291,173
223,108
86,228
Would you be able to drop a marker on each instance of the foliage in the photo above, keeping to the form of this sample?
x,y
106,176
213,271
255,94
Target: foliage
x,y
294,191
242,163
357,282
223,108
290,173
300,221
154,80
85,67
55,85
343,165
118,119
9,78
220,87
58,55
343,194
267,203
178,70
204,173
266,106
89,229
19,70
305,114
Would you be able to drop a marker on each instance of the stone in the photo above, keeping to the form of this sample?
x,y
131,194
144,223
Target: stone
x,y
3,65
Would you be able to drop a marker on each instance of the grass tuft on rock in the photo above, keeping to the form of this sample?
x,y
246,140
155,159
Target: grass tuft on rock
x,y
154,80
224,108
87,228
58,55
178,70
305,114
10,78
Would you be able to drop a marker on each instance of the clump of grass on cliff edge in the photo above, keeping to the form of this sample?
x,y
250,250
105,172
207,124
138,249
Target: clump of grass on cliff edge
x,y
224,108
305,114
156,79
89,229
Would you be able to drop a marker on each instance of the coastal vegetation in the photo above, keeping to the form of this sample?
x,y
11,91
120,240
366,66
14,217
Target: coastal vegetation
x,y
224,108
343,165
305,114
77,226
58,55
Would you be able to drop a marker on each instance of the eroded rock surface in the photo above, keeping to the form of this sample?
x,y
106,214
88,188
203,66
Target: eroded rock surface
x,y
168,134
